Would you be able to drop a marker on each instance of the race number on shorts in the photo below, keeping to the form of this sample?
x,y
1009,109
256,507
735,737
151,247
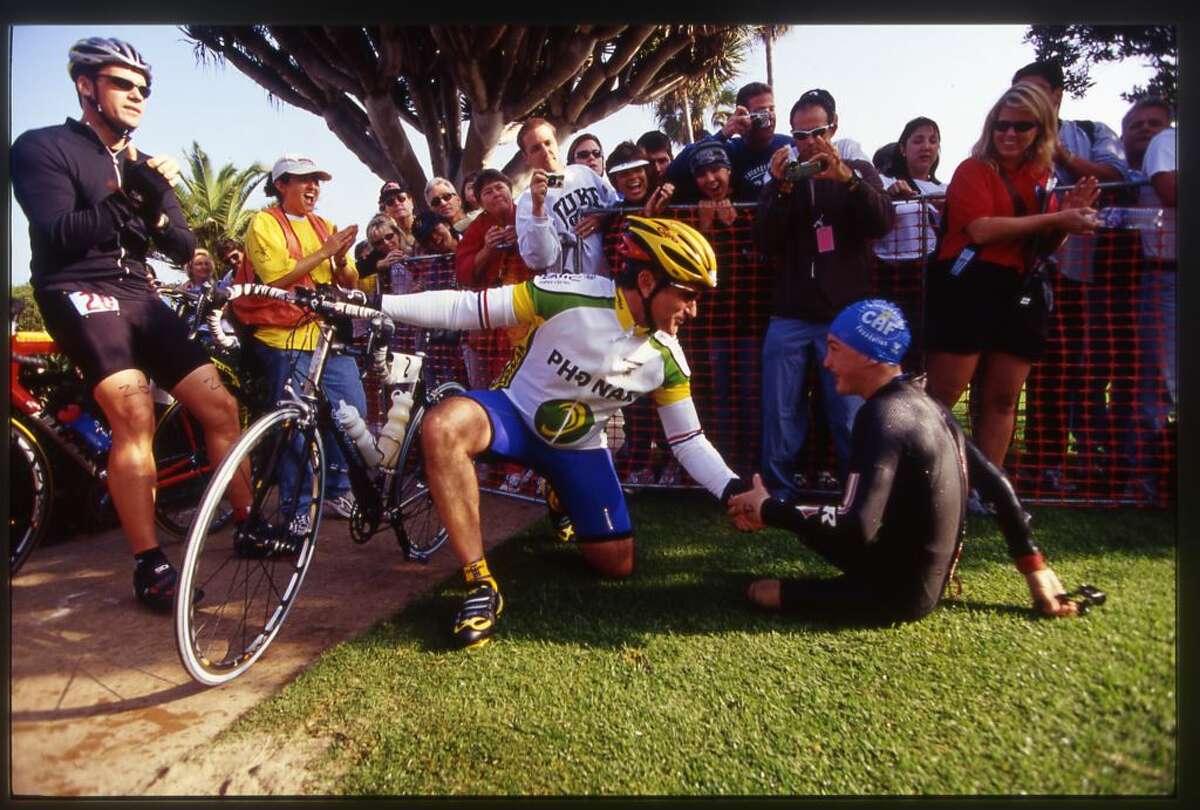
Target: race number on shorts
x,y
87,303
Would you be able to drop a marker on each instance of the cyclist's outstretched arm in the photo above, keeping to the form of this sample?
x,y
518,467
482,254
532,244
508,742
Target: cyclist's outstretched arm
x,y
694,451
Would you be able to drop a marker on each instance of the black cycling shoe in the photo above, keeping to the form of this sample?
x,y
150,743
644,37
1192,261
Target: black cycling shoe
x,y
261,541
476,618
156,587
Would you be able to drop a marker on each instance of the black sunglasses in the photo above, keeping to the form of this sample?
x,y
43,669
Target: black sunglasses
x,y
391,199
125,85
805,134
583,154
442,199
1019,126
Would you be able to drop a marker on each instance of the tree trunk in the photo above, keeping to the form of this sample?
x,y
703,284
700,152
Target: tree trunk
x,y
685,106
768,45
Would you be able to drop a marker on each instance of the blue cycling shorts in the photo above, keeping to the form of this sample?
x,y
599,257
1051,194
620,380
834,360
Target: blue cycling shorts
x,y
585,480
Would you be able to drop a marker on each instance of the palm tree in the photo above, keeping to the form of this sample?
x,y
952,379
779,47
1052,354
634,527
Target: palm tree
x,y
768,34
214,204
681,115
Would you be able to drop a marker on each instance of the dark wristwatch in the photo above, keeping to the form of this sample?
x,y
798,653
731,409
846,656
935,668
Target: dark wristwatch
x,y
855,179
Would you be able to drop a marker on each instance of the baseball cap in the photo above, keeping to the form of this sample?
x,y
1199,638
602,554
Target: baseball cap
x,y
709,155
298,165
389,188
874,328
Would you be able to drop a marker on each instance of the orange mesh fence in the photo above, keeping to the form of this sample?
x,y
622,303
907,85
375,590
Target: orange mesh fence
x,y
1095,425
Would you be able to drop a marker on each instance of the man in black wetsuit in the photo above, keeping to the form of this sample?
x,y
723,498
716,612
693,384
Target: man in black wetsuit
x,y
897,532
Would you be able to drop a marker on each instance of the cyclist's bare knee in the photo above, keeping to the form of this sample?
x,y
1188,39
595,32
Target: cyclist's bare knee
x,y
456,425
124,396
207,398
610,558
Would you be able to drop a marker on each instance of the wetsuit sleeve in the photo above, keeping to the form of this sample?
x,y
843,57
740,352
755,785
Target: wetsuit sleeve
x,y
46,193
995,487
855,522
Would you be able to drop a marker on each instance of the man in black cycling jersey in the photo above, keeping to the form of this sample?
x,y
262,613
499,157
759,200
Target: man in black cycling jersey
x,y
897,532
95,205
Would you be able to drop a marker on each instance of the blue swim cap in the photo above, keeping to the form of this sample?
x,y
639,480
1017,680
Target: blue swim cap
x,y
875,328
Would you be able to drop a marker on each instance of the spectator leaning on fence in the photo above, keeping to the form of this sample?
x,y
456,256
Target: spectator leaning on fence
x,y
486,257
435,234
291,246
444,201
95,205
586,149
1066,390
636,179
385,248
749,135
815,232
551,233
398,204
658,152
986,303
897,533
1149,141
905,249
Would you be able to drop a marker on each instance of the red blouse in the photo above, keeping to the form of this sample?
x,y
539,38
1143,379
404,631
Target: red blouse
x,y
976,191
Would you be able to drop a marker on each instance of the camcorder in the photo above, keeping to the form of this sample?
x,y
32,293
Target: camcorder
x,y
1085,598
795,170
760,119
554,179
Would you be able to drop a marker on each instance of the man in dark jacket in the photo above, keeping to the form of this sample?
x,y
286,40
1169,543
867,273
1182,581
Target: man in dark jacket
x,y
813,223
95,205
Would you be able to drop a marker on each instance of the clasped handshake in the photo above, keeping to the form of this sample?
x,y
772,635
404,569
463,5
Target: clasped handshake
x,y
745,510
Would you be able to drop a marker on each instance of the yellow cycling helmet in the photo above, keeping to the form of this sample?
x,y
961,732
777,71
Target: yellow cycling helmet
x,y
676,248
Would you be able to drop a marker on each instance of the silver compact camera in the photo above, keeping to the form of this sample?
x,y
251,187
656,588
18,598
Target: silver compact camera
x,y
760,120
795,170
555,179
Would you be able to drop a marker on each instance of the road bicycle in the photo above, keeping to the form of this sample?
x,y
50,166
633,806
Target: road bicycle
x,y
239,582
57,430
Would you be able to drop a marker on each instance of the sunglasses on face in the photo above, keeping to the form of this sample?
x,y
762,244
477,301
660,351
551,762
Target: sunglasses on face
x,y
385,239
688,294
445,198
1019,126
805,134
125,85
584,154
395,199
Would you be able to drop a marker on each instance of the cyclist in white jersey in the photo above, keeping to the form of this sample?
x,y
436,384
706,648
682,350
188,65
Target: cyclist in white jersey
x,y
594,346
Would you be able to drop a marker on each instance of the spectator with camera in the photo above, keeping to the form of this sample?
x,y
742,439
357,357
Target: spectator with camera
x,y
487,257
97,206
750,138
814,222
552,233
384,250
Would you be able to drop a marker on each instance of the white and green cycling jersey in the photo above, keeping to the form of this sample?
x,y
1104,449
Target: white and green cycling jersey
x,y
583,359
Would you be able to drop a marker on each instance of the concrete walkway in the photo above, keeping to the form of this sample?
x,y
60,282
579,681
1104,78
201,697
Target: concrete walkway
x,y
101,705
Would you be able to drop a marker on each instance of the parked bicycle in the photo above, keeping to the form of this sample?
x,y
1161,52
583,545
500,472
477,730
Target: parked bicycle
x,y
56,428
238,583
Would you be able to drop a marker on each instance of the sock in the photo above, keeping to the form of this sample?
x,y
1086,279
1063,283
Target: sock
x,y
478,572
150,558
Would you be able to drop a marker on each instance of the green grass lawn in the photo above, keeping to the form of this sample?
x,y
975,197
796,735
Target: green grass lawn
x,y
668,684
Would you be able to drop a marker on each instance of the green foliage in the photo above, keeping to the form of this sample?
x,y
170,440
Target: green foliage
x,y
1079,47
30,318
214,203
667,683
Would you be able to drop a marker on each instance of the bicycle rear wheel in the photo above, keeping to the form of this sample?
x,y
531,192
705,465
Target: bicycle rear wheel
x,y
239,582
184,470
32,491
418,527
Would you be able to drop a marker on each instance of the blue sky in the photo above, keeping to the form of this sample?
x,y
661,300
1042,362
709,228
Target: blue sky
x,y
949,73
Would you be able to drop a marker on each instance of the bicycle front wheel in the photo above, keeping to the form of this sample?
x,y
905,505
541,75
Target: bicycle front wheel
x,y
184,470
415,518
32,491
238,583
